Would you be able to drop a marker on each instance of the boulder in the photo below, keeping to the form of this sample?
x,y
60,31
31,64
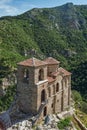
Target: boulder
x,y
48,119
39,128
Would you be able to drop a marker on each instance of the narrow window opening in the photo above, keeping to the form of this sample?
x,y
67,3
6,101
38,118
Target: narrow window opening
x,y
57,87
49,91
41,75
52,105
45,111
43,96
26,76
53,89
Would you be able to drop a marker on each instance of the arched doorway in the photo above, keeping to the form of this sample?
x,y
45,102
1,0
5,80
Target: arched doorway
x,y
43,95
45,111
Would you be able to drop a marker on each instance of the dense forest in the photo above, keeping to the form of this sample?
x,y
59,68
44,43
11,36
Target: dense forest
x,y
60,32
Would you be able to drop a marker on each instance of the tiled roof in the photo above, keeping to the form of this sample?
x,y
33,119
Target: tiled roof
x,y
51,60
55,73
50,79
32,62
64,72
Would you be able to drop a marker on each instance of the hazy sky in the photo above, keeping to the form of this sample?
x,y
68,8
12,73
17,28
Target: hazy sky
x,y
15,7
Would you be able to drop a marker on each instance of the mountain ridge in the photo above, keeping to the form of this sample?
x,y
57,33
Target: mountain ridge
x,y
60,32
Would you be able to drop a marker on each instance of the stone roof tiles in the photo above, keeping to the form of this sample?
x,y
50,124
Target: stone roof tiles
x,y
55,73
50,79
51,60
64,72
32,62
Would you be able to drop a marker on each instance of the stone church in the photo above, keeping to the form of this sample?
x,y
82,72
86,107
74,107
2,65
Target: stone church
x,y
43,87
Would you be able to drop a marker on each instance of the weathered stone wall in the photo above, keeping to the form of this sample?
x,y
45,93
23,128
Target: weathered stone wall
x,y
25,90
66,91
36,73
20,75
40,88
58,101
29,93
52,68
54,98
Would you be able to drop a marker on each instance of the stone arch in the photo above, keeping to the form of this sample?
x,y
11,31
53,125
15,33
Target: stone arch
x,y
41,75
43,95
57,87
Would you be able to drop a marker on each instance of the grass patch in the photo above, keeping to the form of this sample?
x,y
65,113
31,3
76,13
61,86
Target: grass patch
x,y
64,123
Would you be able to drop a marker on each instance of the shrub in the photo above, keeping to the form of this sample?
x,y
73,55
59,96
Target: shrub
x,y
64,123
76,96
84,107
7,99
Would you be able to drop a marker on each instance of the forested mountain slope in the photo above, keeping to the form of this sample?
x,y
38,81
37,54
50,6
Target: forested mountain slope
x,y
60,32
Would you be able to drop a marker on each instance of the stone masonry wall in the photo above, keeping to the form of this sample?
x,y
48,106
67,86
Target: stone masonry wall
x,y
52,68
36,73
57,93
26,90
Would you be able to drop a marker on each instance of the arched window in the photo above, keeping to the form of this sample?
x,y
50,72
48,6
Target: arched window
x,y
57,87
41,75
26,75
43,95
